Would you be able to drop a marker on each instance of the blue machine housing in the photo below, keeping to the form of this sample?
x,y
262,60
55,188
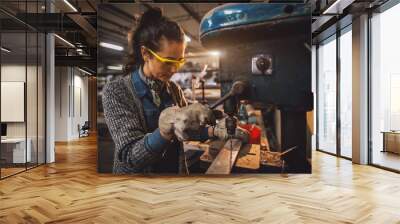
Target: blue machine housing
x,y
282,32
234,15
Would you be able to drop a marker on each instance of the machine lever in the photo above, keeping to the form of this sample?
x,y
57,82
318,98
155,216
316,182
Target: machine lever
x,y
237,88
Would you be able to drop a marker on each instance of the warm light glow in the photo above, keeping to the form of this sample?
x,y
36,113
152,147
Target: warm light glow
x,y
215,53
187,39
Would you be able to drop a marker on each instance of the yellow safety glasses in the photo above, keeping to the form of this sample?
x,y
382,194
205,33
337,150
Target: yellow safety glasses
x,y
176,63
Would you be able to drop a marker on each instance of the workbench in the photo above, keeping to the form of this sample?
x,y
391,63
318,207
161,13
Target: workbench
x,y
218,158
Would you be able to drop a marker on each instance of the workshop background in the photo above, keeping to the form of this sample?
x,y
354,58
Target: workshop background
x,y
264,48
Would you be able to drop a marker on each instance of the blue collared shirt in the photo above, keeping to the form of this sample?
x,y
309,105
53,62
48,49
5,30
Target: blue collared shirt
x,y
152,113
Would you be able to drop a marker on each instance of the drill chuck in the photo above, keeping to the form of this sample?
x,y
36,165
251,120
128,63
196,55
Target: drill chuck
x,y
230,124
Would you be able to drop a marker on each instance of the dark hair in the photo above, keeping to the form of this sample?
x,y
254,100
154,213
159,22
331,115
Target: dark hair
x,y
151,28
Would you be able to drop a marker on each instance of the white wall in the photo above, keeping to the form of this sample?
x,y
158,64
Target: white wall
x,y
71,102
61,103
80,104
13,73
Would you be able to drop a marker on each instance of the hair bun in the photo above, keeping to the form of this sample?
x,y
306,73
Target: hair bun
x,y
152,15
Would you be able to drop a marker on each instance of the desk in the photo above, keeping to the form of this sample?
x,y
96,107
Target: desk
x,y
391,141
13,150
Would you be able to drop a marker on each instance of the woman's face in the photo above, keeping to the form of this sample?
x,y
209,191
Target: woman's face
x,y
157,69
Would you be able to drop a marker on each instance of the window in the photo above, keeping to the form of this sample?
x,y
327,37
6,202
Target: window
x,y
327,96
346,93
385,89
22,102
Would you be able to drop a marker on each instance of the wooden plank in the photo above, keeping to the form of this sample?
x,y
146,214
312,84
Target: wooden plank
x,y
225,159
249,157
211,152
193,145
192,150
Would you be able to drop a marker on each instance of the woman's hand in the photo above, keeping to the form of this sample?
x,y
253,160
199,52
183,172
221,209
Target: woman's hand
x,y
166,122
184,122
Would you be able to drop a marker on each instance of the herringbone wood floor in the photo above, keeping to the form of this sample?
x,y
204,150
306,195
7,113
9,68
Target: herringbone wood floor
x,y
70,191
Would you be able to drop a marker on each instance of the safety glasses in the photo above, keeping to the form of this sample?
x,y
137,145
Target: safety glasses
x,y
177,63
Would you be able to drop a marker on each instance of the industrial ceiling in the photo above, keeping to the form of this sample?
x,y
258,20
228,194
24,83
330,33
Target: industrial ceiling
x,y
81,24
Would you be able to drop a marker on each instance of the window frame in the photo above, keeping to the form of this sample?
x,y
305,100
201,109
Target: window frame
x,y
334,37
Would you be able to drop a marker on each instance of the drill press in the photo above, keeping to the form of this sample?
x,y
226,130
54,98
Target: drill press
x,y
230,108
265,58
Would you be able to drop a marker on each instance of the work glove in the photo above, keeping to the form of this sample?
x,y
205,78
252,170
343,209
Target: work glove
x,y
221,133
184,122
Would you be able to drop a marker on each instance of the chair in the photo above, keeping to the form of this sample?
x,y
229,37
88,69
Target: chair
x,y
84,130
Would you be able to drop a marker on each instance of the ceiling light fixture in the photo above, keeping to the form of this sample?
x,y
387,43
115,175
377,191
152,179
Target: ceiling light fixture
x,y
86,72
5,50
111,46
115,67
64,40
337,7
70,5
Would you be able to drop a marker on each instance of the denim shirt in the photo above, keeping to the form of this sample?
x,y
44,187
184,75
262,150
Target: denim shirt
x,y
151,111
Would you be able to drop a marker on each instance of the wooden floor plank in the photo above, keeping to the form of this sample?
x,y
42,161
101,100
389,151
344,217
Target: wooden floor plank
x,y
71,191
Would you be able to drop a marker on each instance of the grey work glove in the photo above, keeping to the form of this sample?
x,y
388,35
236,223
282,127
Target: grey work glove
x,y
221,133
184,122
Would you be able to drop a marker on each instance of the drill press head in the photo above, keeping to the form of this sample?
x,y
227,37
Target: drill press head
x,y
267,47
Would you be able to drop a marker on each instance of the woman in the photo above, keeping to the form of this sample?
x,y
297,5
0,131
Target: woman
x,y
147,114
